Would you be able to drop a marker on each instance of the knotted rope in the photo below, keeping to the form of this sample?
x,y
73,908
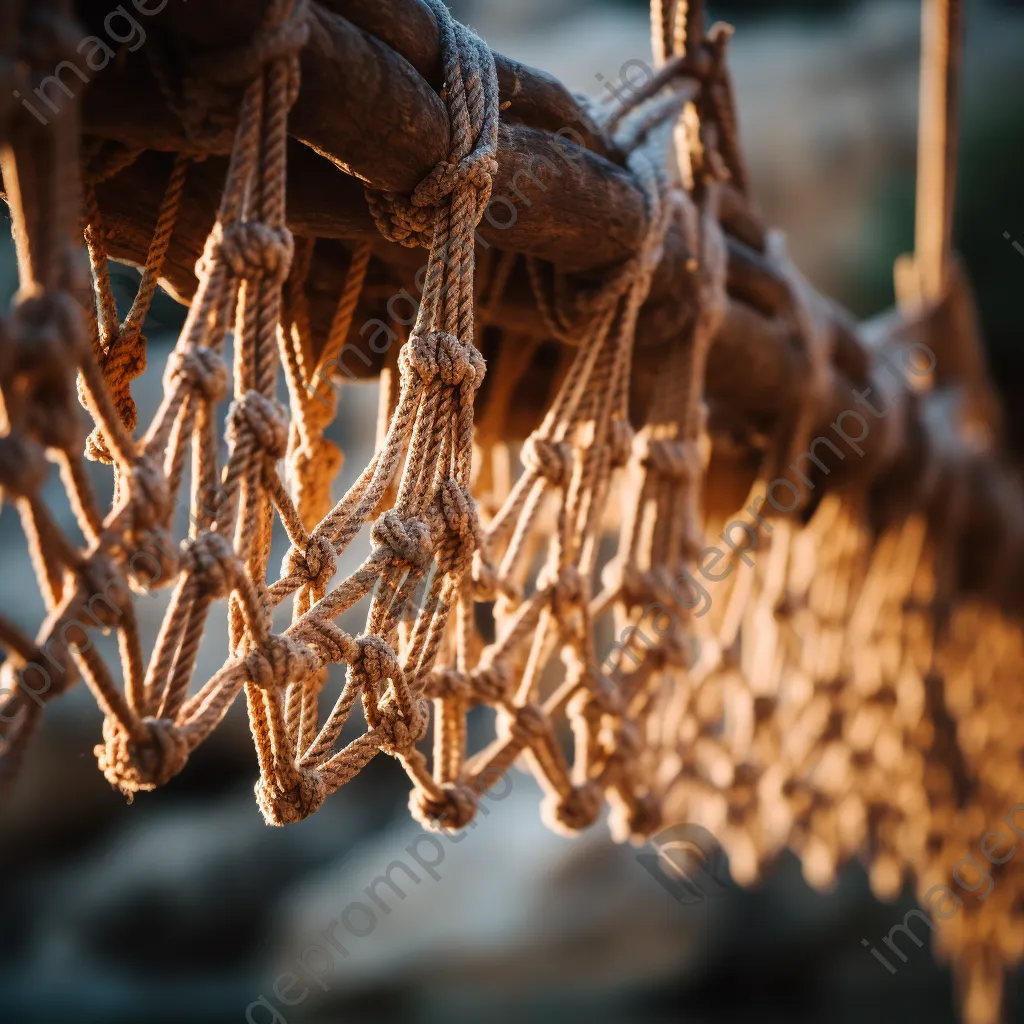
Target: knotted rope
x,y
835,671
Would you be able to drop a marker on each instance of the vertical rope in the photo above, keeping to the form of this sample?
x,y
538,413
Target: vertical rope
x,y
941,61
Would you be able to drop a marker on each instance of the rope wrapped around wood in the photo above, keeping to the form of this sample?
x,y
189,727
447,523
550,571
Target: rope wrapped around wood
x,y
837,697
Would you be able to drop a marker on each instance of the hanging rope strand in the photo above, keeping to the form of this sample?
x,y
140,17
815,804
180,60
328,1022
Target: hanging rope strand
x,y
941,60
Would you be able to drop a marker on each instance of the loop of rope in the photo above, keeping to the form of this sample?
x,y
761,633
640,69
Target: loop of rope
x,y
398,733
471,96
280,39
576,811
141,765
302,794
453,810
121,347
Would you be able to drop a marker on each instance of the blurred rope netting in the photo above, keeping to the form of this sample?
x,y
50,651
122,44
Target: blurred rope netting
x,y
849,692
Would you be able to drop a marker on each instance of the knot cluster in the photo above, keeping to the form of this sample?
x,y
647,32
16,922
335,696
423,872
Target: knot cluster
x,y
259,420
280,660
141,764
438,355
551,460
253,250
454,810
399,732
287,801
401,541
574,811
213,563
202,369
317,563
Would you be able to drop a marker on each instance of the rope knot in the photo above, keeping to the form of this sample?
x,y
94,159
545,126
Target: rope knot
x,y
286,801
575,811
23,466
403,541
155,562
96,449
14,670
448,684
670,459
484,578
475,170
525,724
549,459
280,660
399,220
324,458
260,418
149,499
37,370
123,361
334,644
438,355
133,765
376,661
620,442
201,368
253,249
213,563
478,170
568,596
107,598
599,697
636,820
486,684
637,588
451,812
458,508
128,352
317,563
491,681
400,733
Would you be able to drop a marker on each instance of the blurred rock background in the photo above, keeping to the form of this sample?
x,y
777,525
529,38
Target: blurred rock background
x,y
186,907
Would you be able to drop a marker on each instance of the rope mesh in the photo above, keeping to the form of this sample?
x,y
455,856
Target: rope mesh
x,y
837,698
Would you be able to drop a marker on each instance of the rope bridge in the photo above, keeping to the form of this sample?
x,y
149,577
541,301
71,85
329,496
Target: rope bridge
x,y
849,691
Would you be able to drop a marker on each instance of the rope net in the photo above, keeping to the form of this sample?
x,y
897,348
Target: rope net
x,y
837,698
